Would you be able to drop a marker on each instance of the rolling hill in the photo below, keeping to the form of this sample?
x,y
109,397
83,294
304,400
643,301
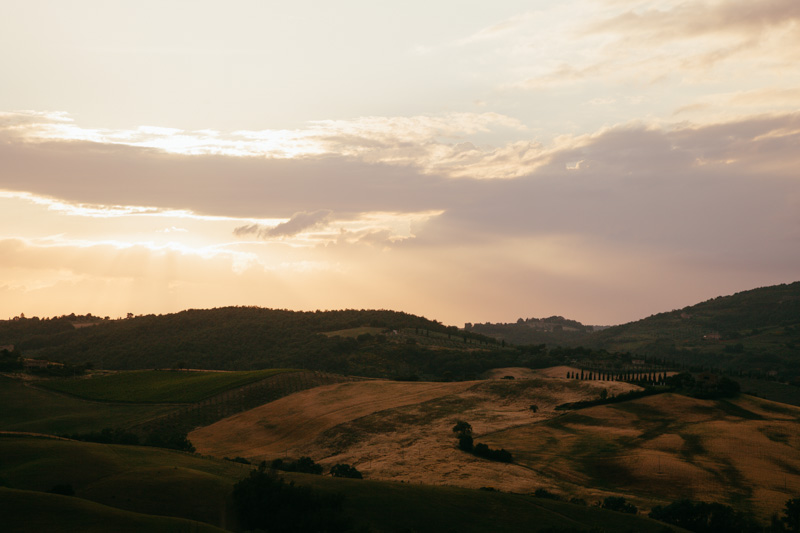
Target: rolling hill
x,y
742,452
755,331
250,338
143,486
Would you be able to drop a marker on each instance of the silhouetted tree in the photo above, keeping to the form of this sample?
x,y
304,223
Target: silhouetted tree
x,y
465,443
345,470
462,428
791,515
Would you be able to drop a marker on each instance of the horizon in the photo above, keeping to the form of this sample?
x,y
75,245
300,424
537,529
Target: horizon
x,y
597,160
543,317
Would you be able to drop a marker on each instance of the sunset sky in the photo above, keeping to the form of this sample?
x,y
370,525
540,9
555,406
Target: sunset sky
x,y
602,160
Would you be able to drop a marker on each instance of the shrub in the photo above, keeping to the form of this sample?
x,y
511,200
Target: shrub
x,y
704,517
544,493
618,503
265,501
304,465
345,470
482,450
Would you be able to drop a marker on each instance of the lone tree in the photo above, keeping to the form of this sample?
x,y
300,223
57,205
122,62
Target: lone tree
x,y
462,428
465,443
463,431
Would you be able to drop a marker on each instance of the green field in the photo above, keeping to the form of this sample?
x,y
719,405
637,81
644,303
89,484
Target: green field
x,y
161,482
157,386
36,410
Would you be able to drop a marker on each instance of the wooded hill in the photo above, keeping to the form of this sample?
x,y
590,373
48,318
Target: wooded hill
x,y
369,343
755,331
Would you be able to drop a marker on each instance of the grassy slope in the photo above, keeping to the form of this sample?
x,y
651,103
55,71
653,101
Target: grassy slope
x,y
30,409
298,419
140,479
744,452
157,386
158,481
22,511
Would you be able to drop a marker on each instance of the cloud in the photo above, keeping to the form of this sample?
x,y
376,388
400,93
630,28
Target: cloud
x,y
299,222
648,207
688,42
694,18
681,187
430,143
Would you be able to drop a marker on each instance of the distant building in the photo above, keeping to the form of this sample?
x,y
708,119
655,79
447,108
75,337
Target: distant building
x,y
7,347
712,337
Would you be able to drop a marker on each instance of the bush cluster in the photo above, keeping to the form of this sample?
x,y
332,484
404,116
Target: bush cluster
x,y
266,502
463,431
304,465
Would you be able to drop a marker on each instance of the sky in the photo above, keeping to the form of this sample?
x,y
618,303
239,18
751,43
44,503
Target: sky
x,y
602,160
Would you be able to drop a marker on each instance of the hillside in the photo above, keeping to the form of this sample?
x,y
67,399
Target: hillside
x,y
653,450
743,452
755,331
114,483
24,511
248,338
143,402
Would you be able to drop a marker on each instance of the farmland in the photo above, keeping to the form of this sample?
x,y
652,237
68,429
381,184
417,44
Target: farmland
x,y
157,386
153,482
26,408
742,452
